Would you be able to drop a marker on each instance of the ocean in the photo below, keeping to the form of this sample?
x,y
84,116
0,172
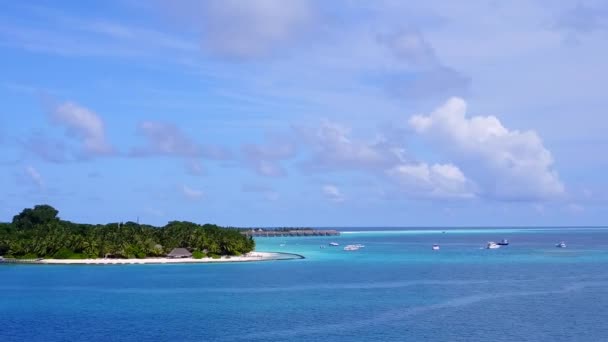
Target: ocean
x,y
395,289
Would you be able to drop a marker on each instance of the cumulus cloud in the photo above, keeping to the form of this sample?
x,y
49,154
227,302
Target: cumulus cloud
x,y
433,181
190,193
333,149
505,164
166,139
266,159
332,193
411,48
85,126
419,72
249,29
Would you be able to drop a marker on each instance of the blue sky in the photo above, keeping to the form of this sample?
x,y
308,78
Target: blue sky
x,y
294,113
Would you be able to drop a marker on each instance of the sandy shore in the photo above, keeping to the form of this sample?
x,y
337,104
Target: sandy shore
x,y
253,256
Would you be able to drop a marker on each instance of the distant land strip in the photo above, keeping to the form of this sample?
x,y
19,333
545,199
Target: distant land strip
x,y
289,232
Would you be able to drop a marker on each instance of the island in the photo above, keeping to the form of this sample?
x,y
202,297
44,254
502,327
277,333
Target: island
x,y
38,235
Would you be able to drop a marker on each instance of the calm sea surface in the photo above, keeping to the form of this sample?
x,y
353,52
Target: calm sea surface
x,y
394,289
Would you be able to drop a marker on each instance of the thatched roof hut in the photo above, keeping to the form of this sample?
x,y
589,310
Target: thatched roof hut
x,y
179,253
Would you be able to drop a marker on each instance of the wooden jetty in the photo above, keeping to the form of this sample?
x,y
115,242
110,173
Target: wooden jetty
x,y
287,233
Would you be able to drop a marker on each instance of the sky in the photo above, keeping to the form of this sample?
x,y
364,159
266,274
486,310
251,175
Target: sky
x,y
306,113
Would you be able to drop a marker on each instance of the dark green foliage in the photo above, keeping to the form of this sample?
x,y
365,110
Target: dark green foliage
x,y
30,218
198,255
4,248
64,253
38,232
28,256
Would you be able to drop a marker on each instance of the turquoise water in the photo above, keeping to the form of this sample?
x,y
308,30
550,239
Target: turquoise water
x,y
394,289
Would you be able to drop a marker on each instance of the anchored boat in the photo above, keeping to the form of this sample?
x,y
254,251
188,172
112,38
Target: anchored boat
x,y
492,245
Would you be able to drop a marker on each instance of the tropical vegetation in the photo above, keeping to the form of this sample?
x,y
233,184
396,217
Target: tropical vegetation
x,y
39,233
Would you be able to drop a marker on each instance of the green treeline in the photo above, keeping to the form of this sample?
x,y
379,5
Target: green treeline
x,y
40,233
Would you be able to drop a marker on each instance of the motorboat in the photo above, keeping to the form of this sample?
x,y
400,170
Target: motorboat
x,y
503,242
360,245
351,248
334,244
492,245
435,247
561,245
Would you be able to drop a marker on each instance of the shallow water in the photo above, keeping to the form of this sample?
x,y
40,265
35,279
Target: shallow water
x,y
394,289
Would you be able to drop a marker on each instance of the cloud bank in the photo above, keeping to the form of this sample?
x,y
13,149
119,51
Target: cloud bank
x,y
506,164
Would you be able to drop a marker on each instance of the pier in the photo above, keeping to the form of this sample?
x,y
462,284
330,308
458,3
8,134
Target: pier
x,y
287,233
19,261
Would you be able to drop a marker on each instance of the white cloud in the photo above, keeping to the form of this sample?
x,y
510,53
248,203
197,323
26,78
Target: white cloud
x,y
168,140
34,176
332,193
246,29
411,47
425,75
506,164
268,168
84,125
333,148
265,159
190,193
436,181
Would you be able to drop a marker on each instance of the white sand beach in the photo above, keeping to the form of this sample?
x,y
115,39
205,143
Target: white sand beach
x,y
253,256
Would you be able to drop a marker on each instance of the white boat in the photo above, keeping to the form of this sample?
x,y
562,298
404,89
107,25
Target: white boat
x,y
561,245
360,245
492,245
334,244
351,248
435,247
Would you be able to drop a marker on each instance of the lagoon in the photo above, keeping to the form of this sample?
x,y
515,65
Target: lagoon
x,y
394,289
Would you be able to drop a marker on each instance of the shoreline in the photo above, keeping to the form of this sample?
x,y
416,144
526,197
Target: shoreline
x,y
249,257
